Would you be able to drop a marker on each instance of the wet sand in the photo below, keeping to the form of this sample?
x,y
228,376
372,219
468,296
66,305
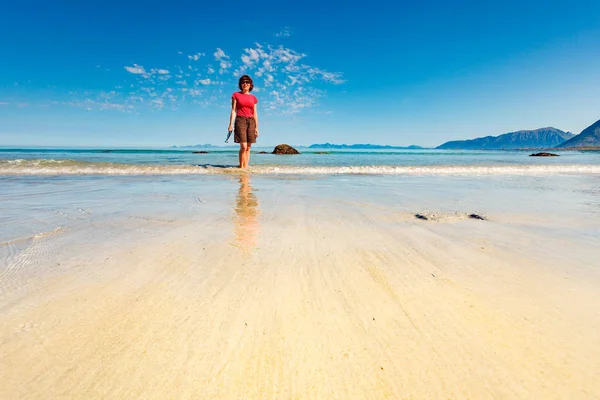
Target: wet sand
x,y
287,298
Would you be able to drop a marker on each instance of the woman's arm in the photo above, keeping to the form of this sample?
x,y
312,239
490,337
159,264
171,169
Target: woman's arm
x,y
232,115
256,118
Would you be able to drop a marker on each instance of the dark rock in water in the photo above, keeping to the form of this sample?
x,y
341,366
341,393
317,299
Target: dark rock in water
x,y
200,152
543,154
476,216
262,152
421,216
322,152
285,149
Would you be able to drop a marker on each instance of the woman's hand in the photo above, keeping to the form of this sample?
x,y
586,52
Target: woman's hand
x,y
230,129
256,131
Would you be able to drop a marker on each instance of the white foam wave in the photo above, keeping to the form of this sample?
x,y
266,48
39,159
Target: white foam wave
x,y
434,170
68,167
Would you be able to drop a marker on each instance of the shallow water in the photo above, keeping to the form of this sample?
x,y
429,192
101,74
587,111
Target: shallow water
x,y
34,207
300,285
74,199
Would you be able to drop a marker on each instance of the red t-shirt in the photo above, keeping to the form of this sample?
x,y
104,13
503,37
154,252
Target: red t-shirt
x,y
244,105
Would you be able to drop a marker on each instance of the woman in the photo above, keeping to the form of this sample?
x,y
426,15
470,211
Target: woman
x,y
243,111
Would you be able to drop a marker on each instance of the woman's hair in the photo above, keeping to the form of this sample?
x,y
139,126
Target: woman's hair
x,y
245,78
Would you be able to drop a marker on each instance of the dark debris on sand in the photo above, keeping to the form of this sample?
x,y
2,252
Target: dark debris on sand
x,y
476,216
434,217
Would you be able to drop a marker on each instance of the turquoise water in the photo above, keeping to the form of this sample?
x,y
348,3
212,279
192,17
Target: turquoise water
x,y
114,194
171,161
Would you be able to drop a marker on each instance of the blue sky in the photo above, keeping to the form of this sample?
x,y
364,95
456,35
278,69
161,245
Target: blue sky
x,y
155,74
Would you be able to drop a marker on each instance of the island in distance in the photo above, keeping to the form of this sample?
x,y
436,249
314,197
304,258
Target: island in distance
x,y
362,147
589,137
538,138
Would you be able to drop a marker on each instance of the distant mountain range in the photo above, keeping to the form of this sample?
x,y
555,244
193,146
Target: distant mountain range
x,y
526,139
361,146
538,138
589,137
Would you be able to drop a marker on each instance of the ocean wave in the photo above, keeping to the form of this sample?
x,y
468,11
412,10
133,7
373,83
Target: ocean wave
x,y
71,167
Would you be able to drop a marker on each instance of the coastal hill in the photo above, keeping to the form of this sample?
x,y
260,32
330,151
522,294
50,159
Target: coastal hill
x,y
538,138
361,146
589,137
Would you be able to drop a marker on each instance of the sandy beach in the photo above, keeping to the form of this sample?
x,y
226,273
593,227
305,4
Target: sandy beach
x,y
276,295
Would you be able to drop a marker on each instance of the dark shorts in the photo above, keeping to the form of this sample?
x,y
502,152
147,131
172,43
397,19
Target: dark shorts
x,y
245,130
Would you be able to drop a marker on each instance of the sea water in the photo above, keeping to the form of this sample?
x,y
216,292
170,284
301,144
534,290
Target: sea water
x,y
79,197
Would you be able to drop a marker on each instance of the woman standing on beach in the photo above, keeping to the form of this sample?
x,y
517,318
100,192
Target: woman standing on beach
x,y
244,118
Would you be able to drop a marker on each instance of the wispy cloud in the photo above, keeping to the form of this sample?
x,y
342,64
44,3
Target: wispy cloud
x,y
223,60
284,82
136,69
3,103
196,57
285,32
294,85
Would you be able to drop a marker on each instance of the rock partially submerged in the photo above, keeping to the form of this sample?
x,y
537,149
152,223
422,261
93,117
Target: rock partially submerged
x,y
262,152
200,152
543,154
285,149
476,216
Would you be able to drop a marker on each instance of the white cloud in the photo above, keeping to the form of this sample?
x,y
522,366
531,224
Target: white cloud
x,y
285,32
94,104
220,54
136,69
251,57
329,77
158,103
224,60
3,103
196,57
289,84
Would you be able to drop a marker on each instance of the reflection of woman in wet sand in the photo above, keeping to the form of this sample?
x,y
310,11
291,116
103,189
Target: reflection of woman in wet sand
x,y
246,214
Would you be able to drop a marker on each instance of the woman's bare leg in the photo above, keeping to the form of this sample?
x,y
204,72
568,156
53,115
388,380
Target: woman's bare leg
x,y
242,154
247,158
